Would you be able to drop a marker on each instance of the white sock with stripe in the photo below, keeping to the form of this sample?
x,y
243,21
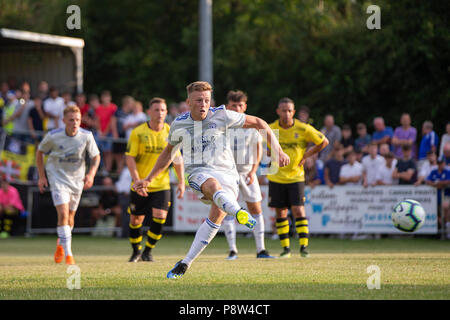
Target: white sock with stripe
x,y
258,232
203,237
226,202
229,229
65,239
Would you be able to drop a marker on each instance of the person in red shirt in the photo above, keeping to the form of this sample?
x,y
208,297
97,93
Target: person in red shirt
x,y
10,206
108,128
80,100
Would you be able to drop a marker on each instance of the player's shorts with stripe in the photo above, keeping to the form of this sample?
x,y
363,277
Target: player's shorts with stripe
x,y
60,197
143,205
285,195
249,193
228,182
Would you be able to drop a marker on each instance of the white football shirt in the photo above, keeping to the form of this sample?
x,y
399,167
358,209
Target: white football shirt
x,y
66,166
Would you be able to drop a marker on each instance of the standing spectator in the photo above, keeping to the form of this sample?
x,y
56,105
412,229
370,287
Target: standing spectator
x,y
427,167
347,140
21,117
8,112
312,178
382,134
303,114
440,179
405,135
372,163
333,166
183,107
4,89
67,97
405,170
80,100
119,147
10,207
25,88
384,174
54,109
43,90
35,120
172,114
89,119
363,140
429,142
446,154
137,116
351,172
105,113
332,133
445,139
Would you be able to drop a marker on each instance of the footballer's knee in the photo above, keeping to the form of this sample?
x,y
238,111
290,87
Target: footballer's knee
x,y
209,187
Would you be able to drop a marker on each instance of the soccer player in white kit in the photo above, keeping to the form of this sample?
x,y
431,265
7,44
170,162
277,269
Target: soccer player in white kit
x,y
66,149
247,155
209,162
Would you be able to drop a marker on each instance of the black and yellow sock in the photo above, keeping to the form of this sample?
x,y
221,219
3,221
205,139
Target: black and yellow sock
x,y
282,225
136,236
154,233
301,226
7,225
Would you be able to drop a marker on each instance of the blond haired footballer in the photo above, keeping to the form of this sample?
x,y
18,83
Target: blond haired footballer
x,y
209,164
66,149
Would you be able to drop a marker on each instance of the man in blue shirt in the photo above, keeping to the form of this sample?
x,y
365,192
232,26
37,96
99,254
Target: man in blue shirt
x,y
382,134
440,179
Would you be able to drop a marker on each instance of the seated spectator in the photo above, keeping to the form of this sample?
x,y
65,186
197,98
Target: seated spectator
x,y
10,207
89,119
312,178
405,170
303,114
427,167
404,135
54,109
35,120
333,134
363,140
333,167
347,140
384,149
137,116
108,130
382,134
429,142
445,139
384,174
108,204
372,163
440,179
351,172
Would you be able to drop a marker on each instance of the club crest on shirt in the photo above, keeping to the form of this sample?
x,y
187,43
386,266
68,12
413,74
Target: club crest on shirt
x,y
296,135
212,125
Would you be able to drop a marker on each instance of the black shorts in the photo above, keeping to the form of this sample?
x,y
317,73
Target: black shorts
x,y
119,147
140,206
285,195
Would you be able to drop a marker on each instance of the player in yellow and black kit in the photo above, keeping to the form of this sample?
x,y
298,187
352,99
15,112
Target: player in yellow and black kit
x,y
286,185
144,146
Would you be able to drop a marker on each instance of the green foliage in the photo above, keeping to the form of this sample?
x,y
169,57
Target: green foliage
x,y
319,53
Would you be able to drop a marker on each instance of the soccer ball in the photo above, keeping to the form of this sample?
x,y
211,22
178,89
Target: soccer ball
x,y
408,215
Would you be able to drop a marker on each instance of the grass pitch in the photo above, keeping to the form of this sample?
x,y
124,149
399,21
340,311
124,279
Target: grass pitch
x,y
411,268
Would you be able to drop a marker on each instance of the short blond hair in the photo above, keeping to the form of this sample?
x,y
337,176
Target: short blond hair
x,y
198,86
70,109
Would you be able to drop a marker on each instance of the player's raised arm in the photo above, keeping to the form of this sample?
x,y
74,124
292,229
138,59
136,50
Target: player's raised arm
x,y
272,141
164,160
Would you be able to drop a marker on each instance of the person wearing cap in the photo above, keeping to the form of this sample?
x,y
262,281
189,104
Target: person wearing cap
x,y
363,140
405,170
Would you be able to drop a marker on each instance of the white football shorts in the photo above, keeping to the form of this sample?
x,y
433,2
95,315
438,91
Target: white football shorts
x,y
63,196
249,193
227,181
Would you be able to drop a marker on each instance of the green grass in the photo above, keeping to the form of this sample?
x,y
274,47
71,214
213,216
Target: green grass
x,y
413,268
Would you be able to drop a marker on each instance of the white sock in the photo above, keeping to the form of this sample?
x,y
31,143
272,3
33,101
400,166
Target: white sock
x,y
258,232
230,232
226,202
203,237
65,239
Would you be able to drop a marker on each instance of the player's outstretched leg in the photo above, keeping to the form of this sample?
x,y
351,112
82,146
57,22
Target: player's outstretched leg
x,y
229,204
177,271
230,234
